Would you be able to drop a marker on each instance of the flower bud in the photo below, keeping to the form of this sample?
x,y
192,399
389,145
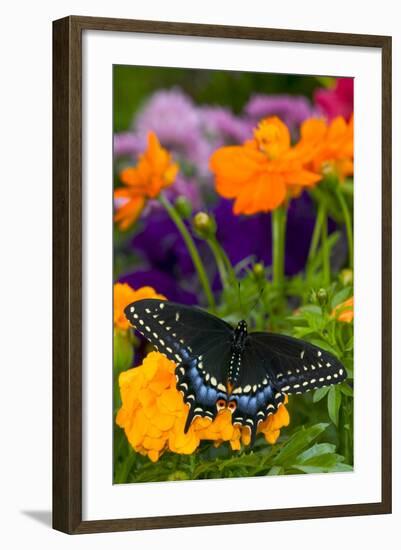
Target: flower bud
x,y
346,276
322,296
259,270
204,225
330,174
183,207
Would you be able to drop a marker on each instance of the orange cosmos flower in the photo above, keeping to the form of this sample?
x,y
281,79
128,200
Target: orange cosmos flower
x,y
263,172
344,312
124,295
153,414
330,146
154,171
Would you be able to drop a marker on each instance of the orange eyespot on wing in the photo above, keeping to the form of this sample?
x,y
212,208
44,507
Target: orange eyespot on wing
x,y
221,404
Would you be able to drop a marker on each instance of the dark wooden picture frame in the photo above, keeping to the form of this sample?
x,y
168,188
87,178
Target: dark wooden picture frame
x,y
67,274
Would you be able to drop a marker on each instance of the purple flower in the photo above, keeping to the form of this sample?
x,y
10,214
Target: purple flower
x,y
243,236
163,260
250,236
221,126
190,132
173,117
127,143
292,110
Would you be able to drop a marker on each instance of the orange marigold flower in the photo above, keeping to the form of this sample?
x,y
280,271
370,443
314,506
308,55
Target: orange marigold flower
x,y
124,295
263,172
344,312
154,171
153,414
330,146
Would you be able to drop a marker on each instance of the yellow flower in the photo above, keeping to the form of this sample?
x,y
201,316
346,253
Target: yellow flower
x,y
153,414
344,312
124,295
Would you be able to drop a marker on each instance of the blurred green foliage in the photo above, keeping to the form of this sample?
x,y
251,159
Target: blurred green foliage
x,y
133,85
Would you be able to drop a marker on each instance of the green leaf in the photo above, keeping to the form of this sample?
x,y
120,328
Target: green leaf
x,y
349,346
346,389
275,471
328,462
308,469
324,345
333,404
340,297
123,351
319,394
317,310
298,442
343,468
317,449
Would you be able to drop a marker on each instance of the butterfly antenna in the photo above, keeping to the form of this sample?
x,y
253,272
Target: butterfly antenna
x,y
239,298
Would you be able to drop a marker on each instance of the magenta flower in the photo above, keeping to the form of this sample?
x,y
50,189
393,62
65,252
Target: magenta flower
x,y
337,101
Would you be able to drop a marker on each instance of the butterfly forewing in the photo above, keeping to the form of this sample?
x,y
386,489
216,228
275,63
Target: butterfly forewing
x,y
199,344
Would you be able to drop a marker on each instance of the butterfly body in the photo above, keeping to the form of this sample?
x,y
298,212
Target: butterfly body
x,y
222,367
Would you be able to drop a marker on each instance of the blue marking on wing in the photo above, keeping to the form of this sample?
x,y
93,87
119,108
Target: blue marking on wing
x,y
243,402
252,406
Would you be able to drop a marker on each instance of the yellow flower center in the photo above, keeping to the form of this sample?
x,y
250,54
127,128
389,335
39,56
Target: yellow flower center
x,y
272,137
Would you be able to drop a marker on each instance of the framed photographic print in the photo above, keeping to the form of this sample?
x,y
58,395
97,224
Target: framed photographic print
x,y
222,275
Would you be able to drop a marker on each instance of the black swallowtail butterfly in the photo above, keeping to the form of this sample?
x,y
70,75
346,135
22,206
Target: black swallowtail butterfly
x,y
219,366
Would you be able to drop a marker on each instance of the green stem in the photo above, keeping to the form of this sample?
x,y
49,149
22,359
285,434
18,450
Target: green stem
x,y
325,247
214,247
224,266
228,263
279,218
348,224
122,474
193,252
317,231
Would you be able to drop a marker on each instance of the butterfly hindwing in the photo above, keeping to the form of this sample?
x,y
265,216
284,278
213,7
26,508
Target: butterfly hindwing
x,y
254,392
294,365
199,344
275,365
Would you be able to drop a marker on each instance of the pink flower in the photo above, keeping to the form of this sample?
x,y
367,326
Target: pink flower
x,y
337,101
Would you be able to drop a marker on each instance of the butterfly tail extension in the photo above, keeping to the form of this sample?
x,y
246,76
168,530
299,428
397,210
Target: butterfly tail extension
x,y
200,397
